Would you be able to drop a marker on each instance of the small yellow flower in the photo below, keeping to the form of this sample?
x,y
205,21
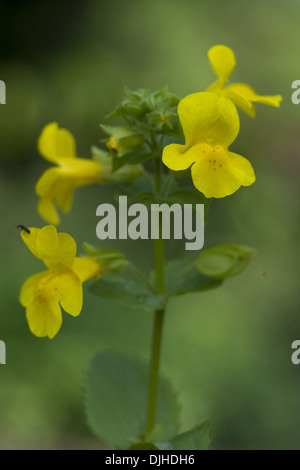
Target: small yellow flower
x,y
57,185
210,124
44,294
222,60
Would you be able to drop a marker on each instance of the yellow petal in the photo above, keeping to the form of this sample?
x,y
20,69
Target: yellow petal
x,y
176,157
207,118
179,157
30,240
44,317
57,185
240,101
64,197
70,291
28,289
246,92
56,249
46,182
56,144
222,60
216,87
86,268
53,187
47,210
222,173
81,170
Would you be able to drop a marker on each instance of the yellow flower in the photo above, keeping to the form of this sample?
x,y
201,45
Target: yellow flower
x,y
57,185
222,60
44,294
210,124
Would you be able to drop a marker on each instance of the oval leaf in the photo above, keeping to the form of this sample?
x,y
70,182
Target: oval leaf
x,y
222,261
127,292
196,439
116,400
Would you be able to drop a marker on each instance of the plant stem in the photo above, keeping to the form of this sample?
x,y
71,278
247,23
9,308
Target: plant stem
x,y
154,371
159,314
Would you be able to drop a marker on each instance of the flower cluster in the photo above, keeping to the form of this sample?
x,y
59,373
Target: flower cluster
x,y
209,122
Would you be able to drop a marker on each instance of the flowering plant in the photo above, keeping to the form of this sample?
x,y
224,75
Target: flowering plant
x,y
129,404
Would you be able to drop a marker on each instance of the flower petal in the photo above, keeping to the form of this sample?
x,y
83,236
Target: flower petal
x,y
246,92
222,174
239,101
70,291
28,289
44,317
64,197
57,185
47,210
207,118
244,166
86,268
222,60
46,182
176,157
30,240
56,249
56,144
81,170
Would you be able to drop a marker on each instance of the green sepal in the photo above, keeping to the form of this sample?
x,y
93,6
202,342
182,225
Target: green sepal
x,y
123,174
123,139
132,158
111,261
155,112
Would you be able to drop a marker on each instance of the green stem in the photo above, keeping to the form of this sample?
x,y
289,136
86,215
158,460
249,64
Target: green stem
x,y
154,371
168,181
159,315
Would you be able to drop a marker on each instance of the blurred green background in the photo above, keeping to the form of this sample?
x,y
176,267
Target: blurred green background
x,y
227,351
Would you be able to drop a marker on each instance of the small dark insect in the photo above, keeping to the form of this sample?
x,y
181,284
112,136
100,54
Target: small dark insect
x,y
23,228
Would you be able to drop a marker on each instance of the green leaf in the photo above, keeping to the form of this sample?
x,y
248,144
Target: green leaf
x,y
138,190
119,132
127,292
132,158
223,261
143,446
188,196
120,175
116,400
100,155
182,277
155,112
196,439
